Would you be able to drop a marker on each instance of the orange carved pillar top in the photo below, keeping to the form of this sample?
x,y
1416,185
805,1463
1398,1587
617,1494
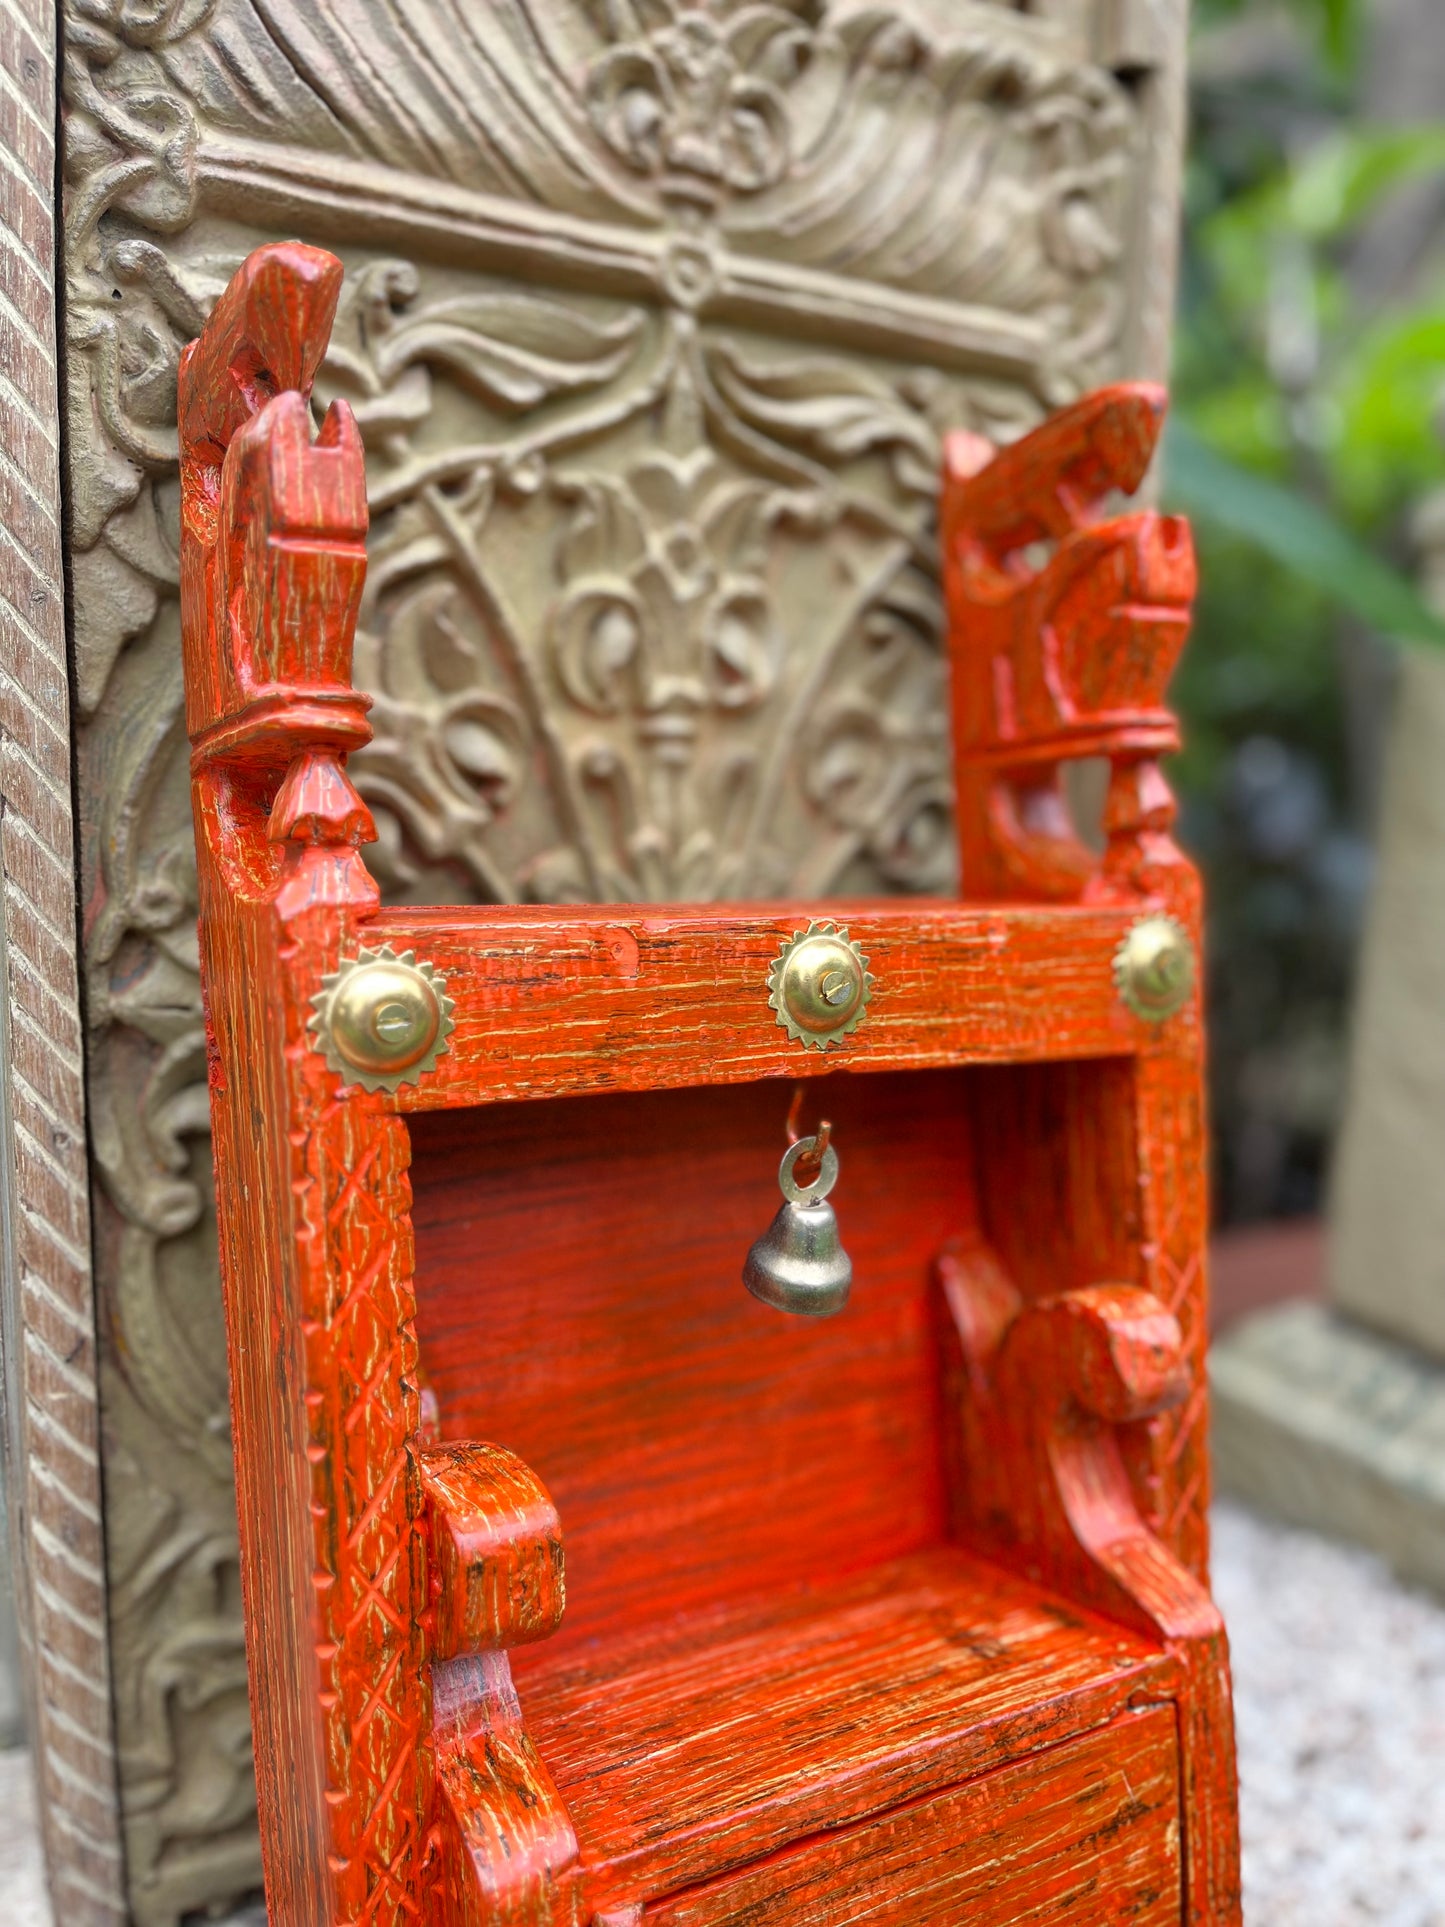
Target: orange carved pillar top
x,y
1065,623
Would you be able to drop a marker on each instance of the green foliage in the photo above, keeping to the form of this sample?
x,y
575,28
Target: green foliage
x,y
1339,28
1334,23
1343,177
1229,687
1315,547
1284,371
1384,450
1303,437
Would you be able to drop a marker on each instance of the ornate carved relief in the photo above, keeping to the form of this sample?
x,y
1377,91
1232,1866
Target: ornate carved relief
x,y
657,310
583,617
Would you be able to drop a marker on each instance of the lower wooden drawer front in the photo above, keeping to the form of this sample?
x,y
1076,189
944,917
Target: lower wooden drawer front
x,y
1086,1833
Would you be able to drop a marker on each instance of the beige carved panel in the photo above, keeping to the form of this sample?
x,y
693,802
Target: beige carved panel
x,y
655,312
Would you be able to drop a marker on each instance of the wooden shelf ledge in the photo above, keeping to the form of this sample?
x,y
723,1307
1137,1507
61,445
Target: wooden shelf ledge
x,y
730,1735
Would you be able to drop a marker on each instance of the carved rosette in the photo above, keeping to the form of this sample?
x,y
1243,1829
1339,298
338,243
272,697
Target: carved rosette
x,y
656,313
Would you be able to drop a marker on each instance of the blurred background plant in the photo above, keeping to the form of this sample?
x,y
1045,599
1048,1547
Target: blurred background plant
x,y
1309,358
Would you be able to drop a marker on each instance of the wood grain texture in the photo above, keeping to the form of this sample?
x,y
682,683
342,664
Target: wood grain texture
x,y
496,1543
1065,657
506,1853
685,1756
1097,1842
554,1001
769,1636
1047,1391
687,1433
53,1440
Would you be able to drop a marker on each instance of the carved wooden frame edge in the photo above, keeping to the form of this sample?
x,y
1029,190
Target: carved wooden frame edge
x,y
1154,236
47,1322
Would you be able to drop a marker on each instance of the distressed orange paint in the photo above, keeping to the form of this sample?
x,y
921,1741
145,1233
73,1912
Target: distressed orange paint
x,y
901,1615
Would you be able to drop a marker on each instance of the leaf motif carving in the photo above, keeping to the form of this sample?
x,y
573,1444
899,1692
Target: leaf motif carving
x,y
695,94
514,350
597,636
885,143
835,410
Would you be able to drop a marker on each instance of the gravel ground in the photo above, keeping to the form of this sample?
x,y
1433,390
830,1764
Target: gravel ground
x,y
1340,1695
22,1889
1339,1678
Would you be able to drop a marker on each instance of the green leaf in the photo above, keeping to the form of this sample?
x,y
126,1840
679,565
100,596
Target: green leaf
x,y
1379,411
1324,197
1297,534
1341,27
1339,180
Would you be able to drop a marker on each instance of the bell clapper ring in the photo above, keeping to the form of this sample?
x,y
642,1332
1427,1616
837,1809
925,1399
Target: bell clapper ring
x,y
809,1170
799,1264
811,1162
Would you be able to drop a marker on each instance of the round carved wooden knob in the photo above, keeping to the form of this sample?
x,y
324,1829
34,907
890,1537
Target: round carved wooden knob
x,y
820,985
382,1019
1154,968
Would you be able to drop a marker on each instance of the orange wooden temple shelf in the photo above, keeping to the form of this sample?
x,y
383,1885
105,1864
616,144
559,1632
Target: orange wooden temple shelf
x,y
899,1616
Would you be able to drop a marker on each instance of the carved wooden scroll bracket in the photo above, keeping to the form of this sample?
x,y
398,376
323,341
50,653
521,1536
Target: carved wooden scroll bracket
x,y
1047,1389
1046,1394
1065,625
496,1582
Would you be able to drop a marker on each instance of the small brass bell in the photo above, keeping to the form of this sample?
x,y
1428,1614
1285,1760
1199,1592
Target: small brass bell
x,y
798,1265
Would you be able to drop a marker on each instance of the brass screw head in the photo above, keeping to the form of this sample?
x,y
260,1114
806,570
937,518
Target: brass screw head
x,y
381,1019
819,985
1154,968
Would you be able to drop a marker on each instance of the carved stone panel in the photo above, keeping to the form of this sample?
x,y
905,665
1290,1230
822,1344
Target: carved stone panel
x,y
655,313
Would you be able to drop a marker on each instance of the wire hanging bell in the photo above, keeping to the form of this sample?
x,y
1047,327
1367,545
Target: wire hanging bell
x,y
799,1264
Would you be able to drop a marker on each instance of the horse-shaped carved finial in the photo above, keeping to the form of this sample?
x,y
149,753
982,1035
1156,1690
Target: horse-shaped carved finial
x,y
1065,624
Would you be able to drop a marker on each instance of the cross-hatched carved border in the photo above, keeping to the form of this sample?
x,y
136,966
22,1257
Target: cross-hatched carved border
x,y
1170,1101
350,1174
52,1427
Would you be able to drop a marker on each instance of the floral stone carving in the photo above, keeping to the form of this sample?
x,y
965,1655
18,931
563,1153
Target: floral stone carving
x,y
656,314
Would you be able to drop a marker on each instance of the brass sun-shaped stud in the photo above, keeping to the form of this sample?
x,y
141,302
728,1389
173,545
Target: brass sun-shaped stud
x,y
1154,968
382,1019
819,985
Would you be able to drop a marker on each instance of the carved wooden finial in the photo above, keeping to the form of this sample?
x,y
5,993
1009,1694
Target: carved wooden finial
x,y
273,550
266,335
1065,626
317,804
